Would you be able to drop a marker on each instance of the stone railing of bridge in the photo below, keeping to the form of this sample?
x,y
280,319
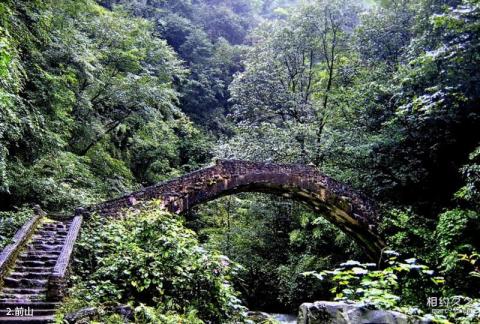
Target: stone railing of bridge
x,y
352,212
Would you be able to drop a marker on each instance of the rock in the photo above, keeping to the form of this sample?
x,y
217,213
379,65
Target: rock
x,y
325,312
81,316
258,317
85,315
125,311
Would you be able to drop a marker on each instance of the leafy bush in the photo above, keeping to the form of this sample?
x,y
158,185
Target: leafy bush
x,y
275,241
145,314
406,230
147,257
470,192
57,181
388,288
467,312
294,288
113,173
10,223
456,234
358,282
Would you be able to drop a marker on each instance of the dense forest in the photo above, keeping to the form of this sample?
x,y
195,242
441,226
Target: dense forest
x,y
100,98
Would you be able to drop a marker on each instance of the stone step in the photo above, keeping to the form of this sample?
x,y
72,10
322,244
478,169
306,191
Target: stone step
x,y
48,230
24,282
40,250
54,224
42,240
35,263
44,232
58,227
26,297
48,239
34,305
30,275
47,243
26,285
32,269
24,290
39,254
38,258
31,250
45,248
52,233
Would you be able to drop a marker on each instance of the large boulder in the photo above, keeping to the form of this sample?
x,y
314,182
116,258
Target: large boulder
x,y
325,312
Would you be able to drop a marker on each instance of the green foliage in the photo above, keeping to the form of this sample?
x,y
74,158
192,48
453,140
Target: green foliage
x,y
385,288
146,314
455,228
248,231
294,288
470,192
57,181
148,257
433,97
401,117
10,223
207,36
466,312
405,231
474,260
275,241
287,92
385,32
456,234
114,173
78,108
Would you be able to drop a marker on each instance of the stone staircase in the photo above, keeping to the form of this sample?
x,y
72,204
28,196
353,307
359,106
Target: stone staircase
x,y
23,297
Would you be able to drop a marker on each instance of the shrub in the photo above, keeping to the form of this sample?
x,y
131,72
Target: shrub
x,y
361,282
148,258
388,288
10,223
57,181
457,233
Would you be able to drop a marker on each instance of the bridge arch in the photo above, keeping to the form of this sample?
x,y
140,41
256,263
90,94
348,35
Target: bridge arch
x,y
350,211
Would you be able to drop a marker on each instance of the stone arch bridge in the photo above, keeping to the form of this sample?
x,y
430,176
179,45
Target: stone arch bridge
x,y
349,210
